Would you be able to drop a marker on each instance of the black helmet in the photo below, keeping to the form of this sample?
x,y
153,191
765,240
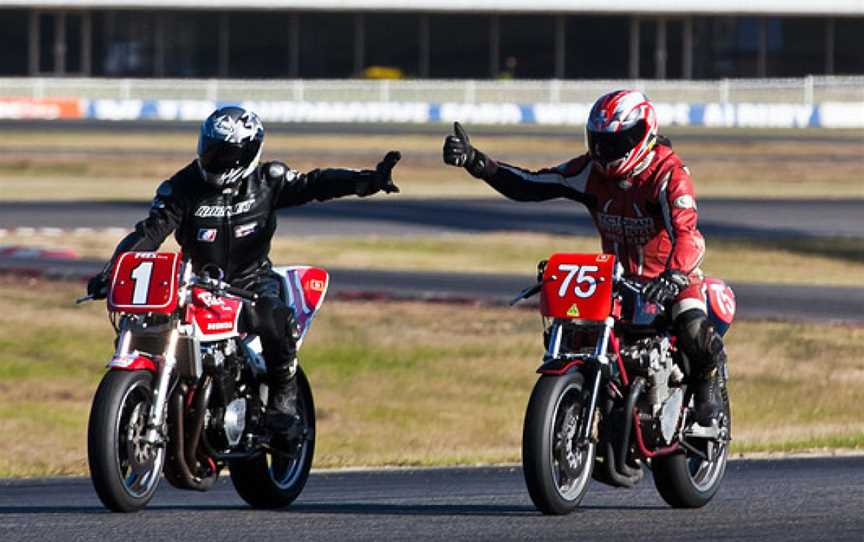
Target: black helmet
x,y
229,146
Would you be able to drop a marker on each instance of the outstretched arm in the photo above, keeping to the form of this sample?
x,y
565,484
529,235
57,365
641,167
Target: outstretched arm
x,y
568,180
324,184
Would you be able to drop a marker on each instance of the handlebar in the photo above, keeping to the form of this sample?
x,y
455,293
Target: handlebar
x,y
220,287
632,285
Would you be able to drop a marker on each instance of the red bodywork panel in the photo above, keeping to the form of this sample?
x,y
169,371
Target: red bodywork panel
x,y
721,299
305,290
132,362
215,317
144,282
578,287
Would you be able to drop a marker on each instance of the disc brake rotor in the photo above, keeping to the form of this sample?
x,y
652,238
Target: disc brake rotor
x,y
140,454
569,460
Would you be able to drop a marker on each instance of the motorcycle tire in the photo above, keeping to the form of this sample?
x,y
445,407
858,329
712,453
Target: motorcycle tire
x,y
270,480
124,470
555,401
685,480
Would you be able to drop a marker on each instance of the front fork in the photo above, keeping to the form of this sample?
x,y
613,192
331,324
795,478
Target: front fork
x,y
166,365
602,360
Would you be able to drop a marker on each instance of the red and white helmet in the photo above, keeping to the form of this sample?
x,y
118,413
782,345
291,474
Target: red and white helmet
x,y
621,132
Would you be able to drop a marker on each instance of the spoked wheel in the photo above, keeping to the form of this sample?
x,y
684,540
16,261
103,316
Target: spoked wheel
x,y
125,469
557,467
691,479
274,479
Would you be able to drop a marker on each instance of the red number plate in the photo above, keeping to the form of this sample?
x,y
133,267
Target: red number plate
x,y
578,286
145,282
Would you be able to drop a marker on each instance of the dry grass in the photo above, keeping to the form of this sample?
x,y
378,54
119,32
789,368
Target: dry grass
x,y
783,261
412,384
128,165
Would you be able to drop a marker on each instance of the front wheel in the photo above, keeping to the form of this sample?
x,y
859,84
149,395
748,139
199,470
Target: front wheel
x,y
275,480
556,465
688,479
124,468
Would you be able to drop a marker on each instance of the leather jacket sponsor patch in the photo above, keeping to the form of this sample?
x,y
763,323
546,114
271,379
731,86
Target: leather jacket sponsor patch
x,y
245,229
207,235
621,229
219,211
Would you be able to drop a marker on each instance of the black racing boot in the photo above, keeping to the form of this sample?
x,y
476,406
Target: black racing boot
x,y
706,397
705,350
282,416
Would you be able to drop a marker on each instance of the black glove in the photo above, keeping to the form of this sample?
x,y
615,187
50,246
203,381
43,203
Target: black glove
x,y
97,286
459,152
457,148
666,287
385,172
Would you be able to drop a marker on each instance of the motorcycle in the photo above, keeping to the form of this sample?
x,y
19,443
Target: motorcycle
x,y
186,391
613,396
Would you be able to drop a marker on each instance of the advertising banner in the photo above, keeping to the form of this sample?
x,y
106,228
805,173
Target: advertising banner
x,y
40,108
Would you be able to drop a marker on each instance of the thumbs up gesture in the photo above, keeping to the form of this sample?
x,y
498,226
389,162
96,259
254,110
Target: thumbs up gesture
x,y
457,148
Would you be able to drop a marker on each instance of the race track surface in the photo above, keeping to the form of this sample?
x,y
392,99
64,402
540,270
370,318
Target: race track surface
x,y
753,219
776,500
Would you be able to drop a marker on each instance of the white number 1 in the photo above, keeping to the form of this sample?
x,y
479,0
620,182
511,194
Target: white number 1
x,y
141,276
581,278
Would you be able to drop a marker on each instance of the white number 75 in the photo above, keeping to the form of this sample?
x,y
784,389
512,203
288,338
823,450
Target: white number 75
x,y
582,278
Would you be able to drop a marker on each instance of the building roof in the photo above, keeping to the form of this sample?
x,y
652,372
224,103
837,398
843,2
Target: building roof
x,y
719,7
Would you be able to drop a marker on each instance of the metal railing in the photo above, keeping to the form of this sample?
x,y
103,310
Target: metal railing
x,y
807,90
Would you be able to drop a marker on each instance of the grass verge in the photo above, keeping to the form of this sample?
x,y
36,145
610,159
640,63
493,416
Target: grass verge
x,y
838,262
410,383
104,165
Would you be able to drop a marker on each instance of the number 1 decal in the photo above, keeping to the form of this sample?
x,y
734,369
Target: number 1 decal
x,y
582,277
141,276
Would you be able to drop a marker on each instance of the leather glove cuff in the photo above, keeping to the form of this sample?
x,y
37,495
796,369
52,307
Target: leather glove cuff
x,y
481,166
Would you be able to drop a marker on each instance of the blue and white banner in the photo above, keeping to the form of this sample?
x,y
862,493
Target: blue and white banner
x,y
723,115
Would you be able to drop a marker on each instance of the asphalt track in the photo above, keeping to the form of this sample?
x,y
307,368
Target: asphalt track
x,y
764,500
718,218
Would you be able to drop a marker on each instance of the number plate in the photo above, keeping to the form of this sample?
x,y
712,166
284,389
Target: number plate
x,y
578,286
144,282
721,301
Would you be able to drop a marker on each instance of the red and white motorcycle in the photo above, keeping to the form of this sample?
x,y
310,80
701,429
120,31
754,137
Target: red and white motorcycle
x,y
185,392
613,397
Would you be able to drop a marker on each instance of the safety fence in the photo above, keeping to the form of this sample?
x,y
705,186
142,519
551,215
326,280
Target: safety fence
x,y
833,102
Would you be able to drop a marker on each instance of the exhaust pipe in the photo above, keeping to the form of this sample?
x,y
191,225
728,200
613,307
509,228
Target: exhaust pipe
x,y
197,417
183,476
624,446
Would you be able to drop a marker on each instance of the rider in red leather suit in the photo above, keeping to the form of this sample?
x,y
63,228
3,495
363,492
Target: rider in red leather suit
x,y
641,199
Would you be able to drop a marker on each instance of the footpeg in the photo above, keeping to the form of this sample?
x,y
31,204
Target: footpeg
x,y
700,431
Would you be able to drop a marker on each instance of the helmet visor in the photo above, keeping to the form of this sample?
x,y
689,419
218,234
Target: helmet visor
x,y
221,156
606,147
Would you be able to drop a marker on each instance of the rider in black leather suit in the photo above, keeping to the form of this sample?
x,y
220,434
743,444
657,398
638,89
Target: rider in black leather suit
x,y
222,210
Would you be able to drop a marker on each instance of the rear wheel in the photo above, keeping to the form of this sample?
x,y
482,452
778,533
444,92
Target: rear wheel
x,y
275,479
124,468
557,467
688,479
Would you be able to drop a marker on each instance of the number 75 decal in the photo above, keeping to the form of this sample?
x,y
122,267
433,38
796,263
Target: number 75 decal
x,y
585,285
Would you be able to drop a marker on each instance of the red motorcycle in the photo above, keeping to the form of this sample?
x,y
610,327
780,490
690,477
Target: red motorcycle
x,y
613,396
186,391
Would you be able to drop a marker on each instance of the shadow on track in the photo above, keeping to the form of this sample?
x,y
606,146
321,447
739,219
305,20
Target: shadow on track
x,y
354,509
440,509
